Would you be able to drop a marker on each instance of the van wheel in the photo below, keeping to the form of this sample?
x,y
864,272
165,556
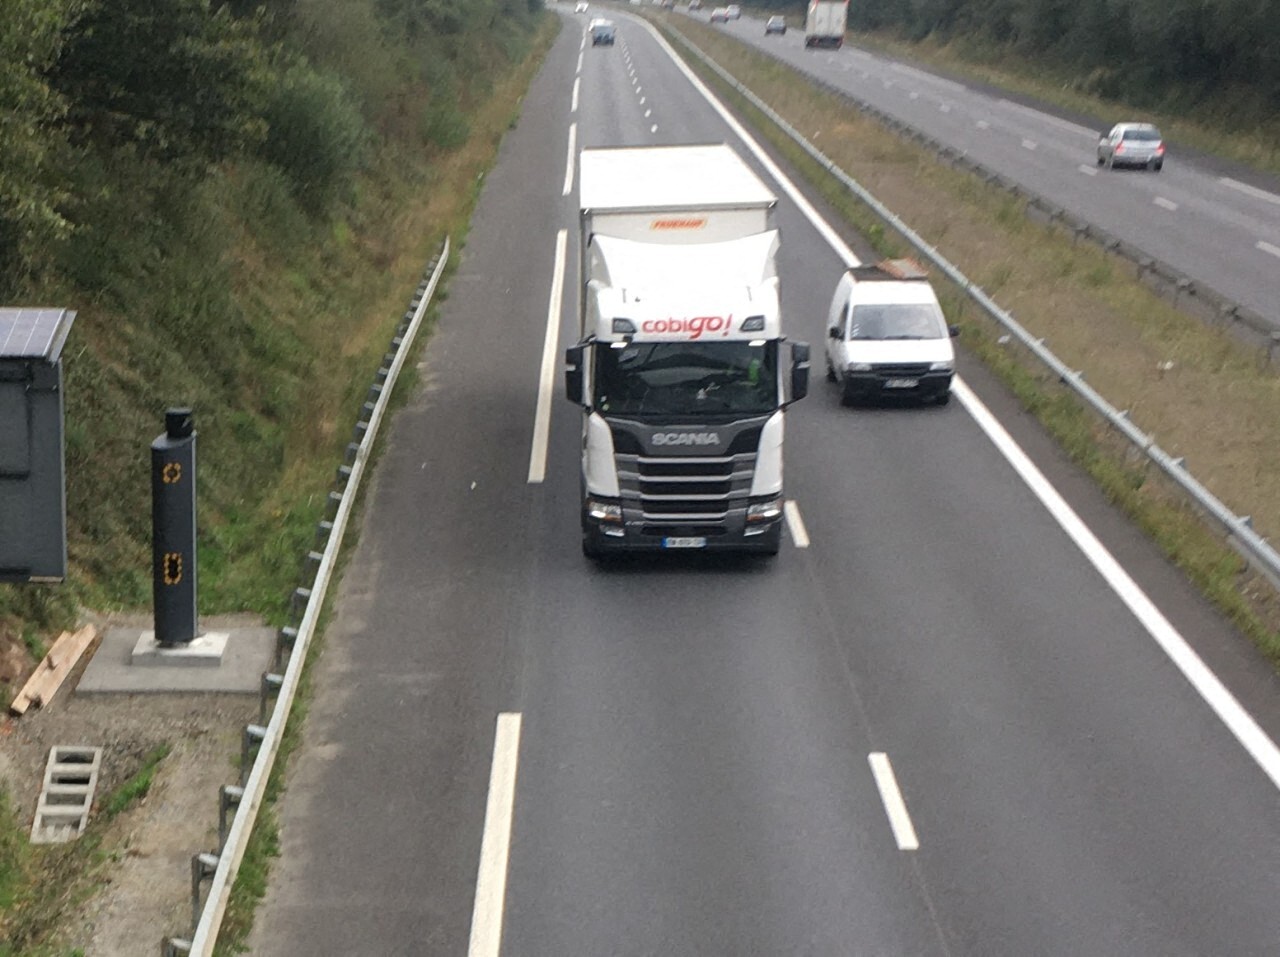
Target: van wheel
x,y
945,398
831,372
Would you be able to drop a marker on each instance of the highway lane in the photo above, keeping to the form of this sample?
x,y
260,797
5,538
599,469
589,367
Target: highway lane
x,y
693,760
1212,227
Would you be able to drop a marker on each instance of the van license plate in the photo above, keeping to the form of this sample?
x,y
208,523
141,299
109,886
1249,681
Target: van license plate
x,y
901,383
684,543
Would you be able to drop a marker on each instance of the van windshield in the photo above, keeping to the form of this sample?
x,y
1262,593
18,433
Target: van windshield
x,y
921,320
686,378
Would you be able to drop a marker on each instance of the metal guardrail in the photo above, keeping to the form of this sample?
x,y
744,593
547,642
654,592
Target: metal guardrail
x,y
1187,294
261,742
1238,529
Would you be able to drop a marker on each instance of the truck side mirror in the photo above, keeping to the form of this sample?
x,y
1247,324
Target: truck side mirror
x,y
573,374
799,370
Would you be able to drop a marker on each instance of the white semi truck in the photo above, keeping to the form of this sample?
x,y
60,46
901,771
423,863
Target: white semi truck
x,y
679,369
825,23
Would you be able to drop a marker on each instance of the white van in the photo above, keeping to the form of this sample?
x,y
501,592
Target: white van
x,y
887,337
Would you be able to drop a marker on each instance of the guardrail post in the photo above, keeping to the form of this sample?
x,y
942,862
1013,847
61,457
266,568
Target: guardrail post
x,y
228,797
286,638
253,736
270,687
202,868
1272,344
175,947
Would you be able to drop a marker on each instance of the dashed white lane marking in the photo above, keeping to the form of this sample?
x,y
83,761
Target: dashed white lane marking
x,y
654,128
914,95
643,100
983,125
1248,190
495,845
1215,694
568,166
573,105
1029,144
1088,170
795,524
894,806
547,372
580,55
648,113
1163,203
945,107
1266,247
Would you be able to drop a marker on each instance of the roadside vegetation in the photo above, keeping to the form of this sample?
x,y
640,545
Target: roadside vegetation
x,y
1200,391
237,199
1208,74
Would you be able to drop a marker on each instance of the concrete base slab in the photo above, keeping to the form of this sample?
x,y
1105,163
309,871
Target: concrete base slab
x,y
204,651
129,661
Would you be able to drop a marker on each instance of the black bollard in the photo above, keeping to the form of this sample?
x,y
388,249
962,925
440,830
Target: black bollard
x,y
173,530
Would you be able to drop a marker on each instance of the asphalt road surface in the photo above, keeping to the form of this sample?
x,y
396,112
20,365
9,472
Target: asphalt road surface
x,y
944,720
1212,221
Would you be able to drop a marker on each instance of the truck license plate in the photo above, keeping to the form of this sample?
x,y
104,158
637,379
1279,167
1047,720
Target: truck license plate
x,y
901,383
684,543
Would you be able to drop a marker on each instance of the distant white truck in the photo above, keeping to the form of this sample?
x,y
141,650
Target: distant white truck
x,y
679,368
825,23
887,337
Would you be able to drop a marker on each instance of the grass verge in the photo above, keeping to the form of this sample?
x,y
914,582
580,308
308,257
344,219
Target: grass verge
x,y
1207,397
39,884
453,201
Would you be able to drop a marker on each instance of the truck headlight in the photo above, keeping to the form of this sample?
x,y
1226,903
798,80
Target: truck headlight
x,y
604,511
764,511
941,366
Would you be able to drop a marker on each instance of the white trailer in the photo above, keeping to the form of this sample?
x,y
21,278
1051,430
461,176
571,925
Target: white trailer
x,y
679,369
825,23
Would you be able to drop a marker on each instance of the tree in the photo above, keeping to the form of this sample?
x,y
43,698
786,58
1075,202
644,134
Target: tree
x,y
171,78
30,192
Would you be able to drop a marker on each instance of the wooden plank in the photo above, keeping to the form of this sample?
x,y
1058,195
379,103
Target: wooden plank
x,y
54,669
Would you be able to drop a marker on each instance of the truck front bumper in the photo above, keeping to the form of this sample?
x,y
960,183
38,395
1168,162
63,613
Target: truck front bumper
x,y
637,533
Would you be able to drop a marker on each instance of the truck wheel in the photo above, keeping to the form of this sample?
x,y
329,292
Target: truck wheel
x,y
590,549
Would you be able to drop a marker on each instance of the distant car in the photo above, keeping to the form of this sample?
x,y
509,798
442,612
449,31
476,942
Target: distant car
x,y
775,25
695,5
580,8
602,33
734,11
667,4
1132,144
720,15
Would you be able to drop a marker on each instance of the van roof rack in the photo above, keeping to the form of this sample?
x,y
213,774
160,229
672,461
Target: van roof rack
x,y
890,269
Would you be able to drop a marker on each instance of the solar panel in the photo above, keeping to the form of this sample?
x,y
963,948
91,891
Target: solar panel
x,y
34,333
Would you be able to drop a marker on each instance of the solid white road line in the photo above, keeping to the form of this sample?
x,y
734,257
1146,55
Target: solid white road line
x,y
1248,190
571,155
894,806
1238,721
579,68
1266,247
1163,203
795,524
546,376
573,105
491,879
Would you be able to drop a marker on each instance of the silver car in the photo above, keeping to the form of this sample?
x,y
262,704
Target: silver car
x,y
1131,144
775,25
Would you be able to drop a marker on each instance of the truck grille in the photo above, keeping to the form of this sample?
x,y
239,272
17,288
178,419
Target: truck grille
x,y
685,494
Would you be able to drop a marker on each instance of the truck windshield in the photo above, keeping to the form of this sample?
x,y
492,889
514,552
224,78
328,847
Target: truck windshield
x,y
686,378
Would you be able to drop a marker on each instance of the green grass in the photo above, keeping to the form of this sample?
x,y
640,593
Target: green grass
x,y
42,886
